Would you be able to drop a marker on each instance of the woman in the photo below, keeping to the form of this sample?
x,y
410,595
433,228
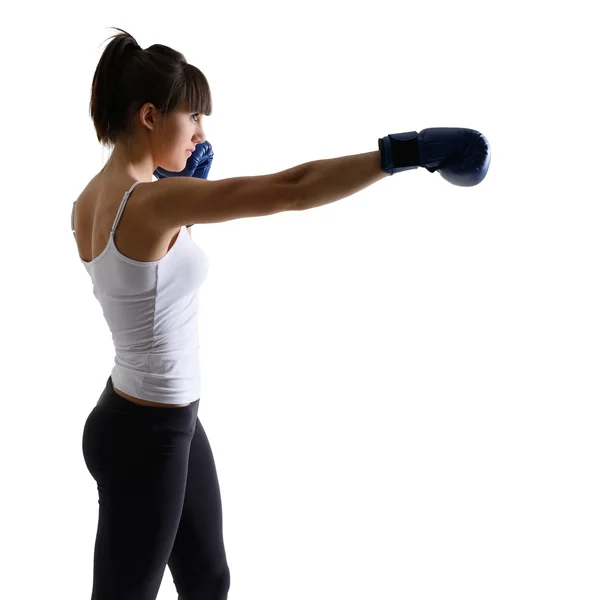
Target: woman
x,y
159,497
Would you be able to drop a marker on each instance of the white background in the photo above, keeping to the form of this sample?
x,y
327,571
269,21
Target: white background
x,y
400,388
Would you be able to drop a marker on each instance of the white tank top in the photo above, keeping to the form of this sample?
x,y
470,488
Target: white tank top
x,y
151,309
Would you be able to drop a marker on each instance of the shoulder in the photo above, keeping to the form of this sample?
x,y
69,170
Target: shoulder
x,y
150,205
104,195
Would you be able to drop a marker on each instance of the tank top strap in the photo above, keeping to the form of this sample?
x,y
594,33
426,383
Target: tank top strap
x,y
122,207
73,217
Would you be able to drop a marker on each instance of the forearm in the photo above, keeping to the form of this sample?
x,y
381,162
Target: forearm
x,y
325,181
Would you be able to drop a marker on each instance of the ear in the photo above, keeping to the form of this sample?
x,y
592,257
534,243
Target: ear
x,y
149,115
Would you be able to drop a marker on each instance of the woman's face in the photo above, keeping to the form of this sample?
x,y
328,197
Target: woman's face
x,y
183,130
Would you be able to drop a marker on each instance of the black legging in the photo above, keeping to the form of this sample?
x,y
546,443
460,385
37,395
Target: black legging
x,y
160,501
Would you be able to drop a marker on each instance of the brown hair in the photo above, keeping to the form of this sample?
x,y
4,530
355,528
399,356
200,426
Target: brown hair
x,y
127,77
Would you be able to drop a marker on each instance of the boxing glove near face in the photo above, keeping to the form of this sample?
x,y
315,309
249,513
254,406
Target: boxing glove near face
x,y
198,164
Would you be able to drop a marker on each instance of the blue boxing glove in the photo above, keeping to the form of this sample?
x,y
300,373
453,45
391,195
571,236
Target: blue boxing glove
x,y
462,156
198,164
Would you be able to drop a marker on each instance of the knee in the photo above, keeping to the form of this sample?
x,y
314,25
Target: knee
x,y
223,581
213,587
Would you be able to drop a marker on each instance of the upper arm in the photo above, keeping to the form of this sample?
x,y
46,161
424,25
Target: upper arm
x,y
178,201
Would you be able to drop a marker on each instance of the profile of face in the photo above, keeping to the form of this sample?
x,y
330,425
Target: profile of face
x,y
176,138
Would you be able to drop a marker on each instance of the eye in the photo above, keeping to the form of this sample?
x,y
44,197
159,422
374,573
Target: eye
x,y
196,115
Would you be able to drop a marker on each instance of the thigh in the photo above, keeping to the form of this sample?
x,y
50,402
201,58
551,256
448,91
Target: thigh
x,y
198,560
